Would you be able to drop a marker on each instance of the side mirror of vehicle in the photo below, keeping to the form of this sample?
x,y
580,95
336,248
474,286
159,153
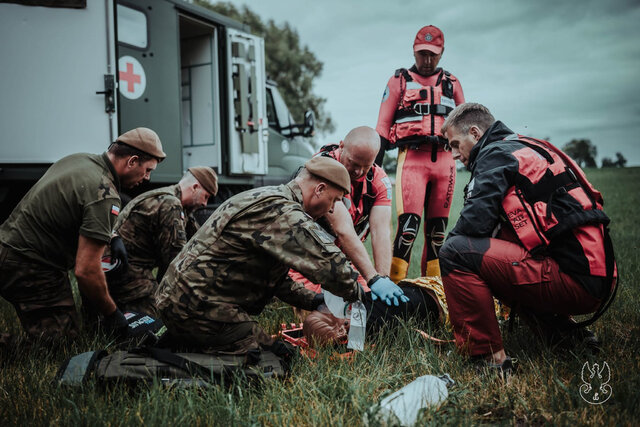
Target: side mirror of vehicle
x,y
309,123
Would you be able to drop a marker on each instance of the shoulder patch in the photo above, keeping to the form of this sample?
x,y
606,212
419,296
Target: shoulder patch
x,y
385,95
321,234
115,210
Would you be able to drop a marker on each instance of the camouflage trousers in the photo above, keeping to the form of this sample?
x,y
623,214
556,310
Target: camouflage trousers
x,y
134,291
208,336
41,296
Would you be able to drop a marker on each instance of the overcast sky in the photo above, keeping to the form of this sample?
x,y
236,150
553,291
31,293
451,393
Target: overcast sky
x,y
547,68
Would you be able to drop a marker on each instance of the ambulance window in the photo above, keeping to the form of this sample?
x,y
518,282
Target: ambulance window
x,y
282,112
271,110
132,27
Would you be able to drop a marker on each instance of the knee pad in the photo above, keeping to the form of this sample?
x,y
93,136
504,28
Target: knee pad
x,y
408,226
435,232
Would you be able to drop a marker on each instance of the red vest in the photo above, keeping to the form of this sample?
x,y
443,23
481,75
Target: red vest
x,y
551,196
422,110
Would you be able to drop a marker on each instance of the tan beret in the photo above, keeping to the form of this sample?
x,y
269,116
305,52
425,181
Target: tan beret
x,y
145,140
206,177
331,170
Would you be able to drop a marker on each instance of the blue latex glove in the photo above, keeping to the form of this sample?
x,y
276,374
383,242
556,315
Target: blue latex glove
x,y
382,287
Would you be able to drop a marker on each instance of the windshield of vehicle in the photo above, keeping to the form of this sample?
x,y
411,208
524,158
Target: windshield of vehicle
x,y
277,112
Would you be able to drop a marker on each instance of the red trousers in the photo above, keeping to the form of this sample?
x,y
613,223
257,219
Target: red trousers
x,y
425,181
474,270
416,170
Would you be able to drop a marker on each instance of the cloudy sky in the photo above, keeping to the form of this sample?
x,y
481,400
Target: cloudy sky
x,y
552,69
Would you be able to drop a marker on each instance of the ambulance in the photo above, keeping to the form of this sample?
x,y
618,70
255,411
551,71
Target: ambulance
x,y
77,73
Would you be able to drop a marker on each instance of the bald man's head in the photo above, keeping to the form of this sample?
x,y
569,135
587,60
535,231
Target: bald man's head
x,y
359,150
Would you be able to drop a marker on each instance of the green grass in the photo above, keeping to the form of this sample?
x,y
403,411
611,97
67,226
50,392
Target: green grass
x,y
332,392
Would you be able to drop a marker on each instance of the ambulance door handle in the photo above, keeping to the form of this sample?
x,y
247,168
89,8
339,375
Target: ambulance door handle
x,y
109,95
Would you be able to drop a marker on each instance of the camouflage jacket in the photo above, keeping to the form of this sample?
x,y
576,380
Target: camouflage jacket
x,y
152,227
239,259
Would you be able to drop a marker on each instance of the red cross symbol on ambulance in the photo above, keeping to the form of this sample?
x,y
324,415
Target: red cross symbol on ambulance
x,y
133,80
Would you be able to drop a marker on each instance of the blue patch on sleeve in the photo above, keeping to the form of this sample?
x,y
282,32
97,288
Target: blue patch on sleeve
x,y
385,95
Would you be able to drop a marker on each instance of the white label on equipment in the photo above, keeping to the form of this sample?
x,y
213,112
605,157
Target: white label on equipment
x,y
132,79
357,326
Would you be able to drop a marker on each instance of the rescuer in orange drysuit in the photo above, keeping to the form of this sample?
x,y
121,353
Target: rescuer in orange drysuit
x,y
414,106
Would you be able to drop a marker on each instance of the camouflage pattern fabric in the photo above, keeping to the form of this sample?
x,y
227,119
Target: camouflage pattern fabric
x,y
238,261
152,227
40,295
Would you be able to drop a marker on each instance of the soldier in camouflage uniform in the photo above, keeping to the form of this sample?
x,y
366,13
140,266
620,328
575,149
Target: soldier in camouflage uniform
x,y
153,229
65,221
238,261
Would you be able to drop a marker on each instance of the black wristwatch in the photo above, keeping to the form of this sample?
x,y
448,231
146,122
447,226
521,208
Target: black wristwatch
x,y
374,279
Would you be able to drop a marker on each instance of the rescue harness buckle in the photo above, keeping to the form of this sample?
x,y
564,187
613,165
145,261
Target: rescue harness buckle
x,y
421,109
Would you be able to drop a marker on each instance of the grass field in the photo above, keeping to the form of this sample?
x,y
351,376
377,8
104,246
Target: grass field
x,y
332,392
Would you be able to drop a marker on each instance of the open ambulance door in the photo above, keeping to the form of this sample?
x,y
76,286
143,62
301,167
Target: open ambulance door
x,y
248,124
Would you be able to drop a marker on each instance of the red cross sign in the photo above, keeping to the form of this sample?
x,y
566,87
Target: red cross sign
x,y
132,77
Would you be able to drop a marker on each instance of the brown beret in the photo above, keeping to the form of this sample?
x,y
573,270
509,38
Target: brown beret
x,y
206,177
145,140
331,170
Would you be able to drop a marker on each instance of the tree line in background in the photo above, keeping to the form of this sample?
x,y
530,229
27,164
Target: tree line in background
x,y
584,153
291,66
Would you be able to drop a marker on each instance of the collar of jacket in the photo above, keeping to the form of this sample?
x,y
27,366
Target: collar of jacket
x,y
177,191
497,132
295,191
112,169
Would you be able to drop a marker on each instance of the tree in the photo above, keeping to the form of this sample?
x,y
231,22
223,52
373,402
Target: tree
x,y
291,66
620,160
608,163
619,163
582,151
